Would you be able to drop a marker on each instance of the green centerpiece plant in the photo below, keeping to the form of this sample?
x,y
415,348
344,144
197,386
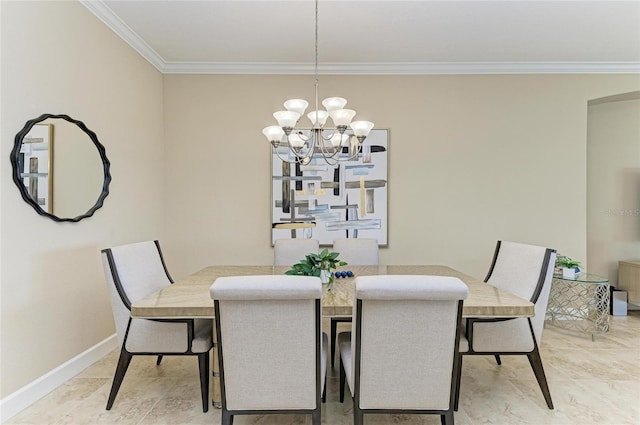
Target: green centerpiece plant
x,y
319,265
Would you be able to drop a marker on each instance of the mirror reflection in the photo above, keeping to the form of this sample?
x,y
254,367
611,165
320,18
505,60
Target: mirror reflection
x,y
66,180
35,165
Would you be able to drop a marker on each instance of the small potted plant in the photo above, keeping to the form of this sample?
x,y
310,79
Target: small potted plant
x,y
569,267
319,265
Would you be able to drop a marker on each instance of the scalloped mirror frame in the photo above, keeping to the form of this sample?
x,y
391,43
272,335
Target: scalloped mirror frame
x,y
23,190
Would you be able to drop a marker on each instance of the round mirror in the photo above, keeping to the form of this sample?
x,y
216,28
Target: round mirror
x,y
60,168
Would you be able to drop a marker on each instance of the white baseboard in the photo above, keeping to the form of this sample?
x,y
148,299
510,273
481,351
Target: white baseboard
x,y
16,402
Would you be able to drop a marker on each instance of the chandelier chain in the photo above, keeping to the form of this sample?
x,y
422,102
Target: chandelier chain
x,y
316,57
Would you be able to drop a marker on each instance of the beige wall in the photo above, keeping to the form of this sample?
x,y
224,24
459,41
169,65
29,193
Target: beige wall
x,y
613,163
473,159
59,58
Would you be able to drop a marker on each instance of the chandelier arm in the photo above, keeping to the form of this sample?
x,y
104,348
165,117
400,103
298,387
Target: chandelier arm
x,y
325,152
310,149
298,159
301,135
331,160
354,154
280,156
323,130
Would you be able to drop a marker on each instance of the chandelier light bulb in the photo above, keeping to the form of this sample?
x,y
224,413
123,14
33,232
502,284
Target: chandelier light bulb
x,y
273,133
295,141
361,128
342,117
338,139
296,105
286,119
334,103
321,118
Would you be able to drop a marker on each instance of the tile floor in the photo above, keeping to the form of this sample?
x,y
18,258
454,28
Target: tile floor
x,y
591,383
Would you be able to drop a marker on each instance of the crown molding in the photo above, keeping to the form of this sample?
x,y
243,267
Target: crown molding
x,y
106,15
397,68
113,21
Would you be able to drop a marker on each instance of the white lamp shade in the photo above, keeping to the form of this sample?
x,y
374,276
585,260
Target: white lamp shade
x,y
334,103
273,133
286,118
295,140
338,139
361,128
321,115
342,116
296,105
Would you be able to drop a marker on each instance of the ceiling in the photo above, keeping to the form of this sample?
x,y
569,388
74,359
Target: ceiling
x,y
379,37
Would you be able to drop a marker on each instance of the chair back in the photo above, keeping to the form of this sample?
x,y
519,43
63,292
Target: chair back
x,y
287,252
526,271
269,341
132,272
357,251
406,337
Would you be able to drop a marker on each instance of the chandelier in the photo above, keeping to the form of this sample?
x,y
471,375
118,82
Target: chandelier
x,y
334,144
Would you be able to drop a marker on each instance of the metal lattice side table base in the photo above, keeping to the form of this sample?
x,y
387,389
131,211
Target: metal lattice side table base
x,y
579,306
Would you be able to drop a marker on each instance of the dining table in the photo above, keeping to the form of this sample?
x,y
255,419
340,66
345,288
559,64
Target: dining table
x,y
189,297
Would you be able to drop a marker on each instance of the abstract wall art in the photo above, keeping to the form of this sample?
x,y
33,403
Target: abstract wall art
x,y
328,202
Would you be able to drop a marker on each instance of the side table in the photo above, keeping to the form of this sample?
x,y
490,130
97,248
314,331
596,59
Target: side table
x,y
580,304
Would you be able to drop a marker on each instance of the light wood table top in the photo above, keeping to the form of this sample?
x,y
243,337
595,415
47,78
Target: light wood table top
x,y
189,297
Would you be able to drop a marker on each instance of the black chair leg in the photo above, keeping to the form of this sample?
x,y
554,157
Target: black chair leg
x,y
446,418
458,383
121,369
159,360
358,416
343,378
203,365
497,356
227,418
324,393
334,330
536,364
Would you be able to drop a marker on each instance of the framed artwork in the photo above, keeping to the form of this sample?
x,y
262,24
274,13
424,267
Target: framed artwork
x,y
328,202
36,164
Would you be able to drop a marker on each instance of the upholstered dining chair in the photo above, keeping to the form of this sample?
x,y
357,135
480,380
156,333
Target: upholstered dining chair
x,y
287,252
133,272
526,271
402,352
355,252
271,352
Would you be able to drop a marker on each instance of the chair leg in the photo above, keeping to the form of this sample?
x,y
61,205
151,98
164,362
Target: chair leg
x,y
458,383
343,378
121,369
324,393
227,418
497,356
334,330
447,418
358,416
536,364
203,365
159,360
316,419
